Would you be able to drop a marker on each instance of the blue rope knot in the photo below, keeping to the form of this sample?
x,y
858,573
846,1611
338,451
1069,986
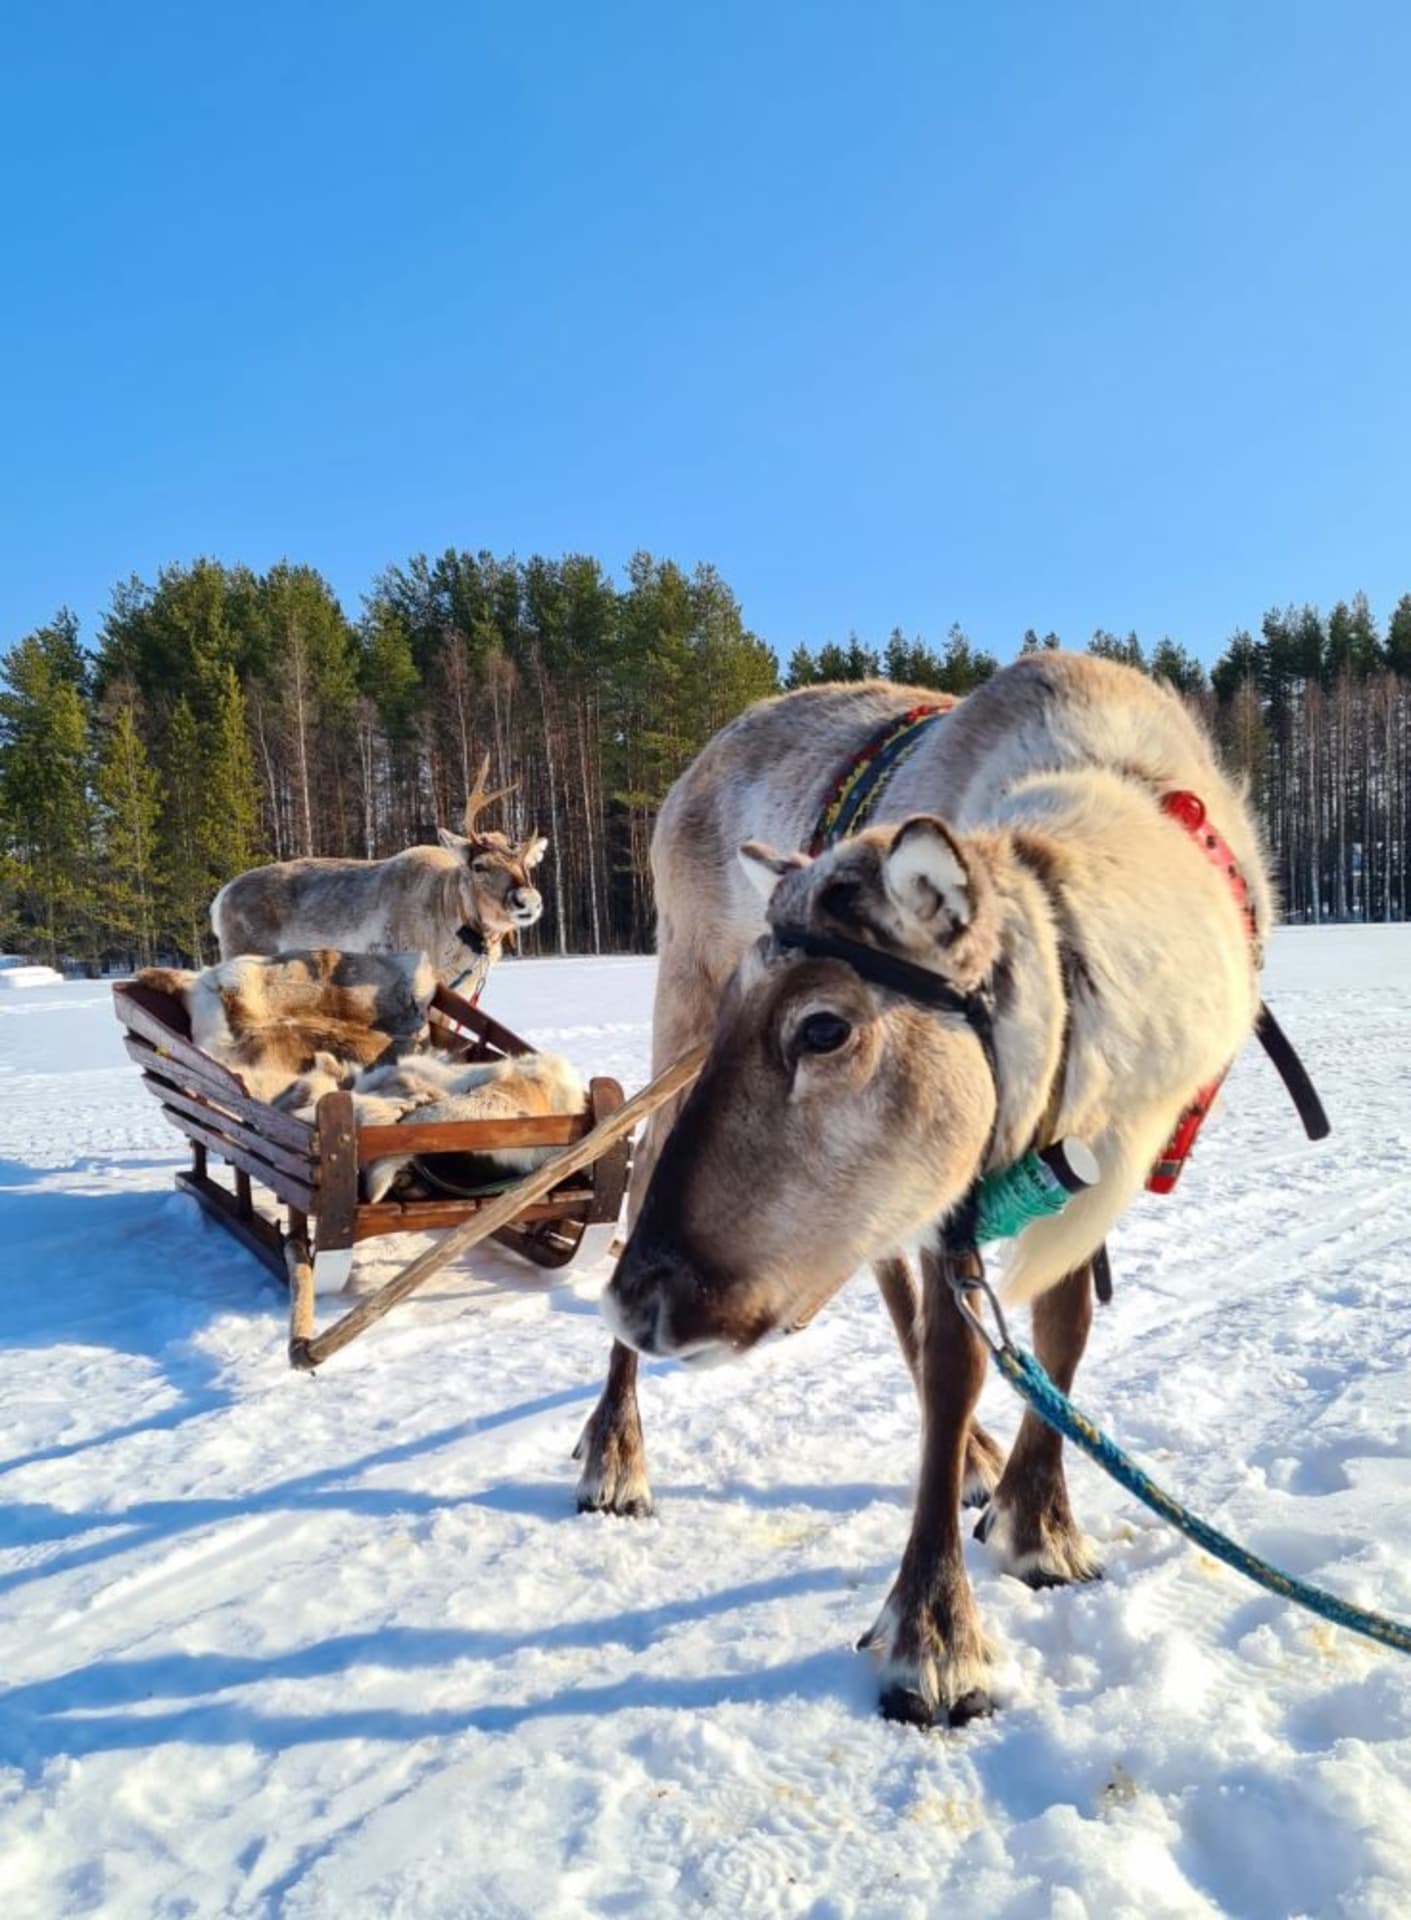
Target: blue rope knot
x,y
1052,1405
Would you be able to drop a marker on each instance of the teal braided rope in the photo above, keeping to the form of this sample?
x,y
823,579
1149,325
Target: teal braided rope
x,y
1031,1382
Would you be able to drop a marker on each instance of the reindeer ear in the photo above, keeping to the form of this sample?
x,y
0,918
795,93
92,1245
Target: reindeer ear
x,y
926,873
534,849
452,842
766,868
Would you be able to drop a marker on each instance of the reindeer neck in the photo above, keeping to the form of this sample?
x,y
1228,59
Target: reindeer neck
x,y
1039,972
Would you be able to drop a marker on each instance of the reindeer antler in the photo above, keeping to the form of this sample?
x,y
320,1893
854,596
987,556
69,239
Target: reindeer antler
x,y
478,799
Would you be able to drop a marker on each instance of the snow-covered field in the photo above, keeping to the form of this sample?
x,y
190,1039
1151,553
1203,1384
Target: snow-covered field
x,y
282,1645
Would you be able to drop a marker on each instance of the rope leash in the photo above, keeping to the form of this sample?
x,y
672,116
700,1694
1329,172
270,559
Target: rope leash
x,y
1037,1390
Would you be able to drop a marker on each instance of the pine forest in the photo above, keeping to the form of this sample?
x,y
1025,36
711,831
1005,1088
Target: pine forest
x,y
219,718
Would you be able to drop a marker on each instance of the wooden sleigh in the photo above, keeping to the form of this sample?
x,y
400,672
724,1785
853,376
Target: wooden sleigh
x,y
312,1170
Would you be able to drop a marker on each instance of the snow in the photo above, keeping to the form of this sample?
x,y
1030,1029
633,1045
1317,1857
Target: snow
x,y
17,974
274,1645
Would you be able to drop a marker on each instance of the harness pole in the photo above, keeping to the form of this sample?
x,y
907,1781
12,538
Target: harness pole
x,y
305,1353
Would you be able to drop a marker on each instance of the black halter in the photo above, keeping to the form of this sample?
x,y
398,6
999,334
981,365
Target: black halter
x,y
901,976
926,989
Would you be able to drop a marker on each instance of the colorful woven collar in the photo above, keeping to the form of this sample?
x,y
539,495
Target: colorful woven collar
x,y
860,781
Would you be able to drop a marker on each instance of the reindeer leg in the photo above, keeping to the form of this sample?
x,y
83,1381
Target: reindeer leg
x,y
614,1477
935,1667
984,1458
1029,1523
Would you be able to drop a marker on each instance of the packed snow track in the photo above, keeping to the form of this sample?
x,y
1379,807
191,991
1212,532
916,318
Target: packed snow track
x,y
282,1646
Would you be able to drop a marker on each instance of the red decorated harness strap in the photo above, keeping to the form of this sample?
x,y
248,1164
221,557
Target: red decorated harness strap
x,y
1188,811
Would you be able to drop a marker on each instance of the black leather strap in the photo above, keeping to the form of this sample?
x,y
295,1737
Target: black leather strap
x,y
898,976
1294,1075
927,990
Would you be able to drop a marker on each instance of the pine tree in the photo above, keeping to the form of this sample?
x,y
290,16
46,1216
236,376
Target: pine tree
x,y
802,670
128,800
227,823
187,892
852,662
1172,663
963,665
44,787
1398,640
1110,646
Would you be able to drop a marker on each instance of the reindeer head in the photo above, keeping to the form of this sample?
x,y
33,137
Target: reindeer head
x,y
497,893
834,1117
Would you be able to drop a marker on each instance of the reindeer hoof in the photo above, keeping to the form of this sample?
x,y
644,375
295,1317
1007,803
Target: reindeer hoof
x,y
614,1476
619,1506
984,1463
907,1707
1043,1551
1041,1578
975,1705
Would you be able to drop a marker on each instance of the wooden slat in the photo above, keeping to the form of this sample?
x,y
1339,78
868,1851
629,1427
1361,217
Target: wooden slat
x,y
297,1192
471,1136
466,1047
543,1246
422,1216
503,1212
268,1121
610,1173
168,1008
300,1165
136,1014
263,1240
474,1021
337,1171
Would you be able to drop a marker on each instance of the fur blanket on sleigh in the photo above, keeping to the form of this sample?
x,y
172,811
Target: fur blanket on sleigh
x,y
298,1025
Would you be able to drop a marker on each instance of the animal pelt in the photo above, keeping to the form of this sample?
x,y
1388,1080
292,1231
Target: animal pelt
x,y
428,1088
295,1025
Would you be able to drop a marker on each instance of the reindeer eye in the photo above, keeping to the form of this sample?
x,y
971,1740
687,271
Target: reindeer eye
x,y
823,1033
839,898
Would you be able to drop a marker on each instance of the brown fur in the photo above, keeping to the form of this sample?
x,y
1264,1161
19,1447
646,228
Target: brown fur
x,y
273,1019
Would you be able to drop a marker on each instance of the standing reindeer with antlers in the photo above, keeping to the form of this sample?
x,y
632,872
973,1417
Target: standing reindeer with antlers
x,y
457,902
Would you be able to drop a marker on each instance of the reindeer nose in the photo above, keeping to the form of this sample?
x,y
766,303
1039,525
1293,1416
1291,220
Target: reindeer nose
x,y
636,1301
524,901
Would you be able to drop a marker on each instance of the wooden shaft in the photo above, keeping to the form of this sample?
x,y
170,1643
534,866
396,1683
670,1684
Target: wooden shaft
x,y
300,1269
306,1354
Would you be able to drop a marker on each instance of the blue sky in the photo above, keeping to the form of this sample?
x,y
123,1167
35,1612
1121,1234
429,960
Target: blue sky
x,y
1015,314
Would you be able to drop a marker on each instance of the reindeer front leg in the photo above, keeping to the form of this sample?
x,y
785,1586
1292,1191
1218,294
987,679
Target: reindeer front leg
x,y
984,1458
614,1476
935,1666
1029,1524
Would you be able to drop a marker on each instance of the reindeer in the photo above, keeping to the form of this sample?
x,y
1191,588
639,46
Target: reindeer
x,y
1020,854
457,902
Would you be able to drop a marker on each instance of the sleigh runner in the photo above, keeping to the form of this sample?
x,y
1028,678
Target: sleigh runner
x,y
312,1170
